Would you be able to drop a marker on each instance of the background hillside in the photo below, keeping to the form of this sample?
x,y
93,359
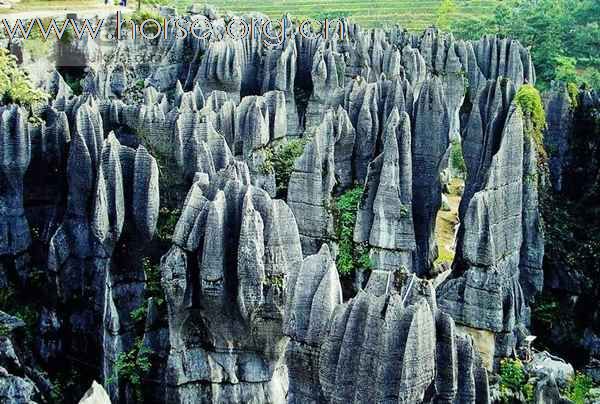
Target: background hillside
x,y
410,14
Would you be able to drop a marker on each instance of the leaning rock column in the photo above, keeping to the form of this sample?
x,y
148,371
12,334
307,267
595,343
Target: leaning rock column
x,y
429,144
385,215
15,155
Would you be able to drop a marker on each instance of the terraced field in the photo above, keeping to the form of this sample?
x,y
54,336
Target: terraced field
x,y
412,14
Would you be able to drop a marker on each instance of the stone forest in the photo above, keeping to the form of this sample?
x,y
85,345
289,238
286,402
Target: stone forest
x,y
222,221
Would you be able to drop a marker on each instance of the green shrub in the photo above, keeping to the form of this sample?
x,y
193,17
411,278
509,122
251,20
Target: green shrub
x,y
565,69
578,388
15,86
139,16
167,220
280,160
4,330
153,286
131,367
351,256
512,374
275,280
456,156
444,14
528,391
573,94
139,315
152,290
546,309
529,100
513,381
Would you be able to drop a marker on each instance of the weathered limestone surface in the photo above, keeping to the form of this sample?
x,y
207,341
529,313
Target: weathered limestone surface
x,y
430,144
254,302
383,345
15,383
559,118
494,262
15,149
241,248
95,395
385,218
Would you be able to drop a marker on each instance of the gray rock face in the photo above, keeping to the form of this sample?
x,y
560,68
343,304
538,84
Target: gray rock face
x,y
14,389
310,188
15,385
559,119
485,290
112,188
15,148
504,57
381,346
221,68
242,249
544,364
95,395
430,144
385,218
326,82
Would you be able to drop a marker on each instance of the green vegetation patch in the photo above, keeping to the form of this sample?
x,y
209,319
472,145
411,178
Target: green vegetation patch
x,y
133,366
578,388
514,381
145,14
456,156
528,98
280,160
562,35
573,95
153,289
15,86
167,220
351,256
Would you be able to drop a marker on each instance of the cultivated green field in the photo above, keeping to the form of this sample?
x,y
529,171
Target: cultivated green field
x,y
414,15
410,14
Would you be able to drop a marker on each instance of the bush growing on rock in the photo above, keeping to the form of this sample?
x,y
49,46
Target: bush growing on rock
x,y
578,389
528,98
15,86
350,256
280,161
513,382
132,366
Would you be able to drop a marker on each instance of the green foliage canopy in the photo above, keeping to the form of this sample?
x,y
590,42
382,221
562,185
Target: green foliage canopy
x,y
564,35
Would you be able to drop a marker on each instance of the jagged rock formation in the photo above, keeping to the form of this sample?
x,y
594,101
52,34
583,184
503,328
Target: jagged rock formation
x,y
430,144
572,143
385,218
95,395
225,279
485,290
243,273
559,118
112,198
15,383
381,346
15,146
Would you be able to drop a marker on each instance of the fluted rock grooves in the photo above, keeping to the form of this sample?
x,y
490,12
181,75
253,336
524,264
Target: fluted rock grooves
x,y
384,345
254,307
